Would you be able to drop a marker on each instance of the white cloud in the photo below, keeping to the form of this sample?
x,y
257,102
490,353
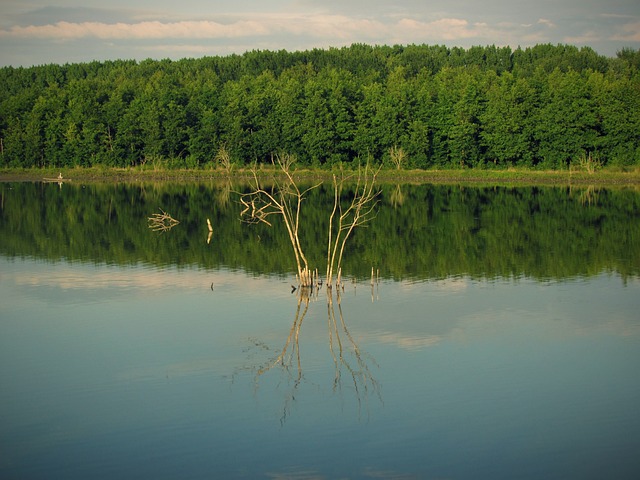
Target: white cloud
x,y
446,28
586,38
331,26
546,22
321,26
629,32
35,33
137,31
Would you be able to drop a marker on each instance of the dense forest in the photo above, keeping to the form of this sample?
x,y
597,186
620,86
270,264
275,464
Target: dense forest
x,y
437,107
420,232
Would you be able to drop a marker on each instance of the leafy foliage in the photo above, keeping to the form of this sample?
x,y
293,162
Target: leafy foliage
x,y
544,106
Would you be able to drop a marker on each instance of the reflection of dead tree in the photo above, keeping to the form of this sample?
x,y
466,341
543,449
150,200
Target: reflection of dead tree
x,y
162,222
291,348
223,194
348,355
285,358
349,360
283,198
344,220
397,197
375,282
589,196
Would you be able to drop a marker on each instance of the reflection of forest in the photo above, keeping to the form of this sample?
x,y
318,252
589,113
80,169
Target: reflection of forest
x,y
351,364
423,231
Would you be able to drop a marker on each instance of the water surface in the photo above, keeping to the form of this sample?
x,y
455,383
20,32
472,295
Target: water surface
x,y
486,348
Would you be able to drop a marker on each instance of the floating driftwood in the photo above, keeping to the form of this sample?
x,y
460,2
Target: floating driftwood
x,y
58,179
162,222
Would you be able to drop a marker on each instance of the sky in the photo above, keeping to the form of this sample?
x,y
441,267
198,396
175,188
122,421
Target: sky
x,y
37,32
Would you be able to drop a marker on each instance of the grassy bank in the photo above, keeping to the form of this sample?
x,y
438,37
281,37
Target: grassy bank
x,y
603,177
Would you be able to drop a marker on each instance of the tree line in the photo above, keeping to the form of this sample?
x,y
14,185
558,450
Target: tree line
x,y
547,106
420,232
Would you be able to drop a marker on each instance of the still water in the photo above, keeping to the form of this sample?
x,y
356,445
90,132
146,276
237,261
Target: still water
x,y
500,339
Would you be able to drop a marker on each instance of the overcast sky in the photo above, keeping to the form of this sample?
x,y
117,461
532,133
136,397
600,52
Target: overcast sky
x,y
35,32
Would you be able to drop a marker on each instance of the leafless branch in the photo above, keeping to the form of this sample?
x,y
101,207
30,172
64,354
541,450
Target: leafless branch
x,y
162,222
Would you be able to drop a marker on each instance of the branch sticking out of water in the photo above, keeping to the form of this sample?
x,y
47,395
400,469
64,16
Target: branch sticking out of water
x,y
284,198
345,218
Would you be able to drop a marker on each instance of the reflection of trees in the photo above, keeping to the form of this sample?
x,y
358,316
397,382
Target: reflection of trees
x,y
292,344
349,360
397,197
439,231
223,193
589,196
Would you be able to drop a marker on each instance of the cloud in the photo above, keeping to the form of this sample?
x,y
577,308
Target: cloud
x,y
546,22
94,30
629,32
446,29
586,38
334,26
153,30
321,26
50,15
408,341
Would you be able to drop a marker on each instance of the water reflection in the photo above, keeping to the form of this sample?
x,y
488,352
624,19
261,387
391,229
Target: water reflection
x,y
500,340
420,231
482,378
397,197
347,355
162,222
350,362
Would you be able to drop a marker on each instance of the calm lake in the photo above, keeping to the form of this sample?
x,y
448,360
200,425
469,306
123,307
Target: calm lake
x,y
499,337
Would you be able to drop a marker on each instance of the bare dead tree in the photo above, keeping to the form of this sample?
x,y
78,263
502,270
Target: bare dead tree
x,y
398,156
344,219
223,158
282,198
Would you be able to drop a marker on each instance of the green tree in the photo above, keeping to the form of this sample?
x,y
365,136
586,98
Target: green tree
x,y
463,129
506,125
290,109
619,100
567,122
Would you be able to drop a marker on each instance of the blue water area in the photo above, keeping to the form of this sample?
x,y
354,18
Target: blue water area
x,y
139,371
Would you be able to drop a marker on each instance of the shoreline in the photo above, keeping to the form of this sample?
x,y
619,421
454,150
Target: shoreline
x,y
605,177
